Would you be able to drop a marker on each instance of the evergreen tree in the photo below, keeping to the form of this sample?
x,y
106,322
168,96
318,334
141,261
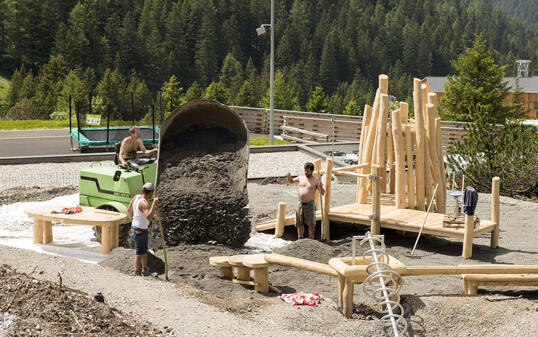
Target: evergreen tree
x,y
516,101
172,92
218,92
478,82
352,108
317,101
14,92
246,96
283,95
194,92
112,90
72,86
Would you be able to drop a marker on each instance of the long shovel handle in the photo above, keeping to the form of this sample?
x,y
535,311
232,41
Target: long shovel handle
x,y
162,241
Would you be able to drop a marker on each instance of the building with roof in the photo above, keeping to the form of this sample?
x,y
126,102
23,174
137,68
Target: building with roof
x,y
528,86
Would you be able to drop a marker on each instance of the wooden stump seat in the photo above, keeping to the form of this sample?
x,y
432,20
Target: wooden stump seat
x,y
225,267
243,265
472,281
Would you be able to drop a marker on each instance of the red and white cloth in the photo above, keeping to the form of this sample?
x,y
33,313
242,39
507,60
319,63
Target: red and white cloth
x,y
301,298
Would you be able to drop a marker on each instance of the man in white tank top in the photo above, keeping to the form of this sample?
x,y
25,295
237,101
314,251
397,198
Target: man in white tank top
x,y
141,215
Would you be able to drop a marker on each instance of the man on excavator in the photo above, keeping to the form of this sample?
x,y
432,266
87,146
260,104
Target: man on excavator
x,y
130,145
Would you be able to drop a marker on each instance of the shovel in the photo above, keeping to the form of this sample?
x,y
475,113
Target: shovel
x,y
162,241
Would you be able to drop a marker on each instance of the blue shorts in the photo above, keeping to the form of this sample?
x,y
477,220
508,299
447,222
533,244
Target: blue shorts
x,y
140,240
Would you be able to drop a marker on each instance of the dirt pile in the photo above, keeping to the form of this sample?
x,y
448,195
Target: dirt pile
x,y
25,194
61,312
203,188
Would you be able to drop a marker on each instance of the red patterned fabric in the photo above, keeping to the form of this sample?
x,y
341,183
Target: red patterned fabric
x,y
301,298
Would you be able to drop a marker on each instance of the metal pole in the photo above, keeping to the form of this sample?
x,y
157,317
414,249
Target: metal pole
x,y
272,77
107,126
162,108
70,126
78,122
153,121
132,106
90,102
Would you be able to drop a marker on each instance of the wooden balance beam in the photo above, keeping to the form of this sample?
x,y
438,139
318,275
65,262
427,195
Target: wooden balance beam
x,y
472,281
244,264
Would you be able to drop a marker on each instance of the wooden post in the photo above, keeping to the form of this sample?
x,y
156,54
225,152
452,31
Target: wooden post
x,y
364,131
348,298
115,231
495,211
243,273
38,231
434,158
390,157
421,142
341,286
281,220
410,168
325,224
432,99
376,205
227,272
105,239
442,169
468,236
404,112
261,277
381,139
317,168
47,231
371,135
399,154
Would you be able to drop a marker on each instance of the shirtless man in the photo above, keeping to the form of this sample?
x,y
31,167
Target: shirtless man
x,y
306,207
130,145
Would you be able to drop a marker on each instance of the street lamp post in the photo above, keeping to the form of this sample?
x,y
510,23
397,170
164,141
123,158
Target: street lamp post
x,y
260,31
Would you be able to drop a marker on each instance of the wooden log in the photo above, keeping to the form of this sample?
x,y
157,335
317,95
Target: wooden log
x,y
281,220
424,96
390,158
404,112
410,168
421,145
470,269
47,232
106,239
381,140
442,169
432,99
341,285
375,225
348,298
317,174
399,154
495,211
290,261
261,277
326,224
468,237
437,178
38,231
364,131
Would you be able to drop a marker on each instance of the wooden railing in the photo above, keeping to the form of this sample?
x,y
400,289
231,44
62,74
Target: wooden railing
x,y
346,128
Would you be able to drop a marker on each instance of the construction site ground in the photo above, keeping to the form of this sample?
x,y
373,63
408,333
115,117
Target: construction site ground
x,y
198,303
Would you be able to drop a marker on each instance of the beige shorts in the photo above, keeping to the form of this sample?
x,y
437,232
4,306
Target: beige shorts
x,y
306,214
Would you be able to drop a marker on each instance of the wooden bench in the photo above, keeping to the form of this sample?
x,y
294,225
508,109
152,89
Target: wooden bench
x,y
243,265
110,221
472,281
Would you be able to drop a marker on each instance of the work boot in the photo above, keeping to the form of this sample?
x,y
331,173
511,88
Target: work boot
x,y
137,273
145,271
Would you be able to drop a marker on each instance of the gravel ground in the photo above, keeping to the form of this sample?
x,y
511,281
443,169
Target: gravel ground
x,y
64,174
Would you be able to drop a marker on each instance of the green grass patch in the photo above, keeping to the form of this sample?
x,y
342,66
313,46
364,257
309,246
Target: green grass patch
x,y
52,124
264,140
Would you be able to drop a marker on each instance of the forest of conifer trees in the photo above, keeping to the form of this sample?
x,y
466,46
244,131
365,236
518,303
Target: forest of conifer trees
x,y
328,53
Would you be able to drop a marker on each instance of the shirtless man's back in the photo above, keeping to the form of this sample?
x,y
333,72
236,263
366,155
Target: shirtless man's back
x,y
306,207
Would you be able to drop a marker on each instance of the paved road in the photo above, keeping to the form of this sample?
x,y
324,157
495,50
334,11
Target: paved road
x,y
35,142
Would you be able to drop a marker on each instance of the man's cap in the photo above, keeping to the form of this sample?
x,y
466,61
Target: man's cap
x,y
148,187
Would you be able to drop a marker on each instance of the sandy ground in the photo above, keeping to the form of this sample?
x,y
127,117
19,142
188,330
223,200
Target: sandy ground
x,y
199,303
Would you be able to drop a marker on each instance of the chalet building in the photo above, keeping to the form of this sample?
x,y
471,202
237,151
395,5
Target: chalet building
x,y
528,86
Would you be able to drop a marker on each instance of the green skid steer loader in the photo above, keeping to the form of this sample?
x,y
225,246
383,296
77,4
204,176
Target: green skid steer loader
x,y
112,188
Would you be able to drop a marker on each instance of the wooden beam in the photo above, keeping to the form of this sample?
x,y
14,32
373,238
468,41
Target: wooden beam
x,y
404,112
317,174
468,236
437,179
399,154
381,139
470,269
442,170
364,130
38,231
495,211
376,204
421,144
326,224
312,266
281,220
390,157
410,168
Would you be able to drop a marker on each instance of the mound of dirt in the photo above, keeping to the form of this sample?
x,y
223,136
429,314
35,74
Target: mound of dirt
x,y
309,249
41,308
203,193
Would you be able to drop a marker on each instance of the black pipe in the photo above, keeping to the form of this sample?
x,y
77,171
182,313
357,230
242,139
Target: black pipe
x,y
78,122
90,101
107,126
162,109
132,106
153,121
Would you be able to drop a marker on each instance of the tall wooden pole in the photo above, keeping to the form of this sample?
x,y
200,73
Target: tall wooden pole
x,y
390,157
381,139
376,204
325,224
434,157
441,157
364,131
410,168
421,142
399,154
428,179
317,168
281,220
495,212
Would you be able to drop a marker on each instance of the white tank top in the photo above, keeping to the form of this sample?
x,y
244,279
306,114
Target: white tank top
x,y
139,219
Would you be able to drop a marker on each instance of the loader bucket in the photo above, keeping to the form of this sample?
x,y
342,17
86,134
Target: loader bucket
x,y
202,175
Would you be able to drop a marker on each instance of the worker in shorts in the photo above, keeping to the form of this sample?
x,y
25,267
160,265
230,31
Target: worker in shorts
x,y
130,145
141,215
306,207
